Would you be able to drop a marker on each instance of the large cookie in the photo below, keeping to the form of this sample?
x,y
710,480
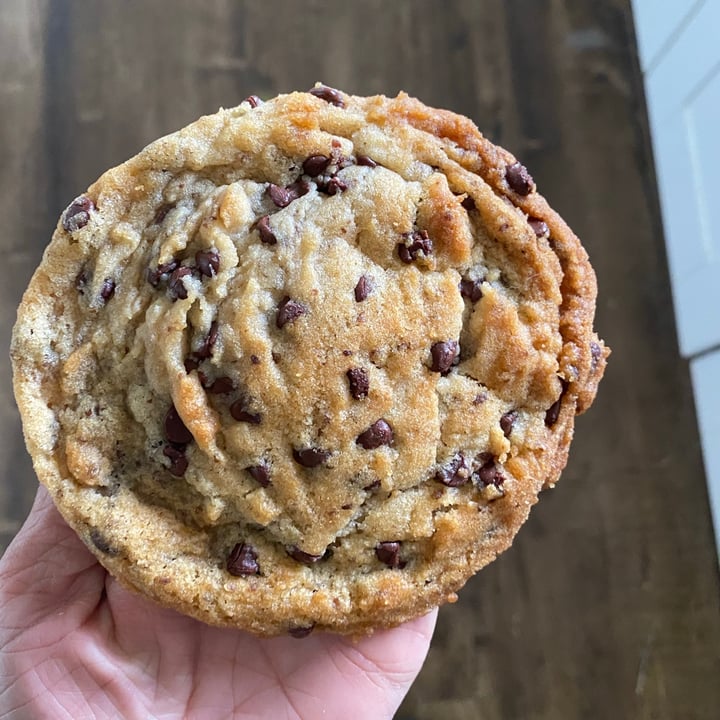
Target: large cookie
x,y
306,363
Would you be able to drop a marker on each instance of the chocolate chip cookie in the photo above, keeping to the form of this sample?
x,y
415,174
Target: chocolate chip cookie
x,y
306,363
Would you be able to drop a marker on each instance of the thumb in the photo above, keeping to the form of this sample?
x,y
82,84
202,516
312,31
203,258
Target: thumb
x,y
47,567
398,654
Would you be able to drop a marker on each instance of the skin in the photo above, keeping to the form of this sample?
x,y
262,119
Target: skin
x,y
77,645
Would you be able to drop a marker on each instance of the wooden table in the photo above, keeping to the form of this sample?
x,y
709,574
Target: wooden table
x,y
608,604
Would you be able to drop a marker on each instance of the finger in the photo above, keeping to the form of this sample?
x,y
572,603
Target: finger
x,y
47,566
395,656
401,648
392,659
336,675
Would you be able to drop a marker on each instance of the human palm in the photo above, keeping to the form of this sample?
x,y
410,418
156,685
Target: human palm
x,y
75,644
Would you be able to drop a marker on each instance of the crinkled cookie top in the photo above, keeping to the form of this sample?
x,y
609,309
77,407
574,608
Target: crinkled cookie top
x,y
307,362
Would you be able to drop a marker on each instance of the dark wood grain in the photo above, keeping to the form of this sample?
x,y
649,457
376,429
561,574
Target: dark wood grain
x,y
607,605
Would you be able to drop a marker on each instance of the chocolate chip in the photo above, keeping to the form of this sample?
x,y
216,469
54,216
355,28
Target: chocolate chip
x,y
301,556
208,262
260,473
175,430
471,288
168,267
539,227
206,348
455,473
253,101
283,196
335,185
161,272
416,244
363,288
519,179
242,561
484,458
487,473
178,461
310,457
366,161
299,188
108,289
328,94
553,412
289,311
161,213
77,214
176,286
443,356
81,281
359,382
279,195
507,421
468,203
221,386
254,359
316,165
267,236
240,413
378,434
191,364
389,553
300,631
101,543
347,353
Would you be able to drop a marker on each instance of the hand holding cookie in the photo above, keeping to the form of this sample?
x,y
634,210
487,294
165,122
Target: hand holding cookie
x,y
77,645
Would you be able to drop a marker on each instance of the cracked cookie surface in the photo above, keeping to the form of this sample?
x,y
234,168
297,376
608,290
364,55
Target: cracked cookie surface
x,y
306,363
